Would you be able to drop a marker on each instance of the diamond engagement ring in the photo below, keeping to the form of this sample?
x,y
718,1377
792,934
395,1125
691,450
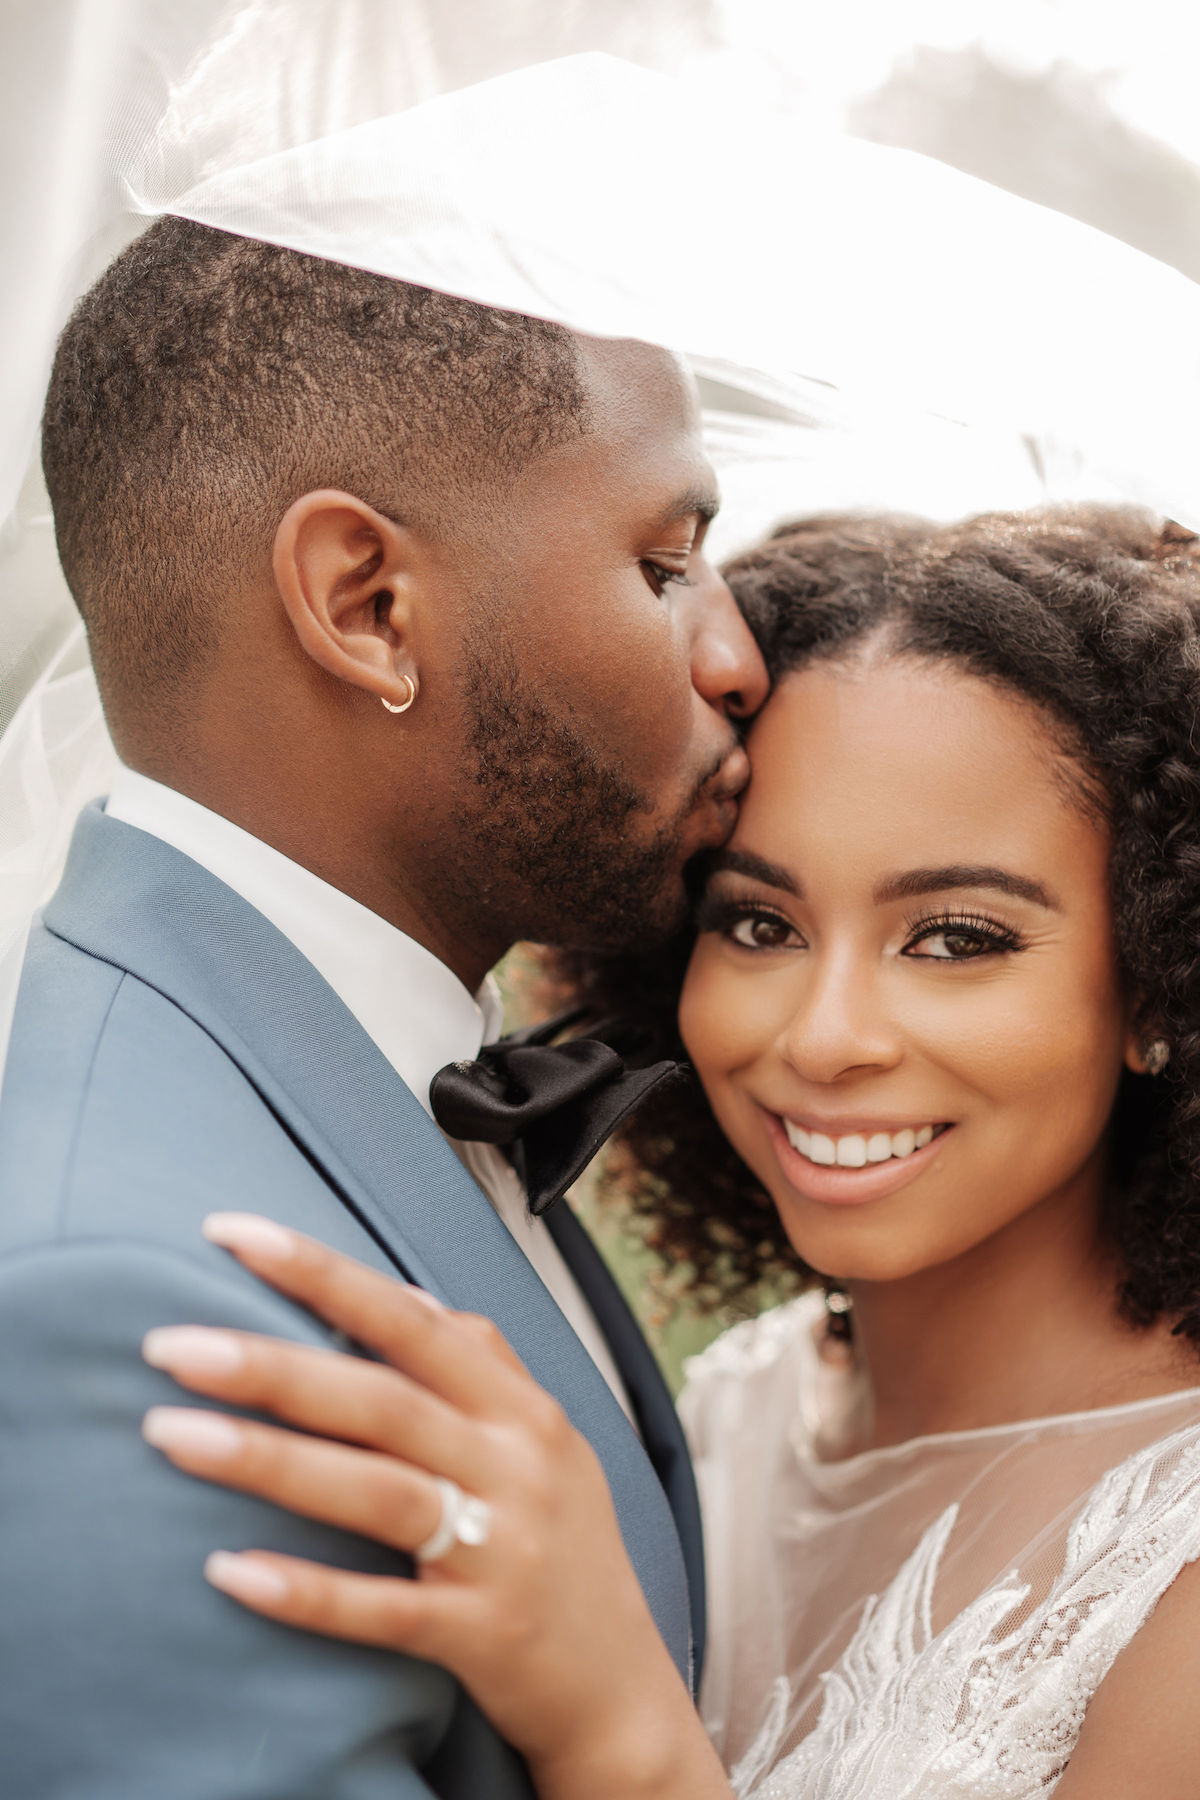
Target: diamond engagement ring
x,y
464,1520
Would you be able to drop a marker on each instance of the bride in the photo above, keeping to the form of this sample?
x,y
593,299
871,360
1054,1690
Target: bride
x,y
944,1004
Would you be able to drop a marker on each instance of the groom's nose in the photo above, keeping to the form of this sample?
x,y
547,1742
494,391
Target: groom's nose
x,y
727,666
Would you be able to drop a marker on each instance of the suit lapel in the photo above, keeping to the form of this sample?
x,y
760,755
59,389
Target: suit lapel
x,y
657,1418
140,905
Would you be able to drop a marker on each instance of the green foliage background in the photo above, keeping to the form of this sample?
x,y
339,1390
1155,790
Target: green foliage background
x,y
675,1329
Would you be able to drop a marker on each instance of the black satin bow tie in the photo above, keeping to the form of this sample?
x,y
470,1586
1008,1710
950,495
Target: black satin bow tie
x,y
553,1104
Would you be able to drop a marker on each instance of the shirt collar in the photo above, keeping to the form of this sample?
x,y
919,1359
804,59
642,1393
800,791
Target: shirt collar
x,y
415,1009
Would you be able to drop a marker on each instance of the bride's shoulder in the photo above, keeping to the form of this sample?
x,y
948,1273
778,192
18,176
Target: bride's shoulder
x,y
756,1344
752,1358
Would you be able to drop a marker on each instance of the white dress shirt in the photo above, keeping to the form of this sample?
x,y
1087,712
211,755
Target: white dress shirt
x,y
414,1008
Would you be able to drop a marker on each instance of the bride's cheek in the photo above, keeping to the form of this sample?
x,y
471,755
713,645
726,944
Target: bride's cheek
x,y
710,1017
724,1034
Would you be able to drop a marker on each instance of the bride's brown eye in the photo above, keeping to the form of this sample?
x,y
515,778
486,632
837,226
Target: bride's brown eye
x,y
960,940
759,931
956,944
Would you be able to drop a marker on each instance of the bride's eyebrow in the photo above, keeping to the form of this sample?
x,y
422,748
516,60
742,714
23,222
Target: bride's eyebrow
x,y
744,862
909,884
913,882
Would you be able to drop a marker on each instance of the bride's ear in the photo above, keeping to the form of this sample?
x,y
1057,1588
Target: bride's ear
x,y
346,577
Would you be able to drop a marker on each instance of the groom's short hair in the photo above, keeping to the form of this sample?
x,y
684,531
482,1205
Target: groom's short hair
x,y
207,381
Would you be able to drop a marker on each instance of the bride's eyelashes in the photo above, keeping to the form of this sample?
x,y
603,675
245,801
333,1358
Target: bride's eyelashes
x,y
749,923
946,937
960,937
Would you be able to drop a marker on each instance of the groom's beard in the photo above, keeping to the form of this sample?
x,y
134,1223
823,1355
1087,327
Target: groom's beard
x,y
558,843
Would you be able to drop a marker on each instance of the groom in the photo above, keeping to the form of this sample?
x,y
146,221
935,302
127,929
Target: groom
x,y
406,639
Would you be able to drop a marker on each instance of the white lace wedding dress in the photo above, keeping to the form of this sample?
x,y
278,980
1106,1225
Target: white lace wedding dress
x,y
931,1619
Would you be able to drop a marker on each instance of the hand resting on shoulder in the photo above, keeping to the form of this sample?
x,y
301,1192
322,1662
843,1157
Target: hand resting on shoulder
x,y
545,1622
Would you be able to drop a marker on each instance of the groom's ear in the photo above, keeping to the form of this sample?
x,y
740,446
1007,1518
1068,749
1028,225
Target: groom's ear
x,y
346,576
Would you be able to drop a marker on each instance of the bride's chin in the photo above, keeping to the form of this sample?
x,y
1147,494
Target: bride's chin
x,y
852,1255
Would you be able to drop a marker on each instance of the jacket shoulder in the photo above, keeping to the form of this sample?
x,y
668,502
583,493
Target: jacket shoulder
x,y
120,1114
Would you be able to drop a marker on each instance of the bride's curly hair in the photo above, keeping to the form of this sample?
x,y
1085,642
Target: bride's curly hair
x,y
1093,614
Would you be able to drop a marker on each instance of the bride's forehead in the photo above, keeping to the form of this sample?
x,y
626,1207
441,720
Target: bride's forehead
x,y
903,754
876,712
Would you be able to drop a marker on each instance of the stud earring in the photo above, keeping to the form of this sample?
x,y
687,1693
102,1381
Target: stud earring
x,y
835,1345
839,1325
1156,1056
411,685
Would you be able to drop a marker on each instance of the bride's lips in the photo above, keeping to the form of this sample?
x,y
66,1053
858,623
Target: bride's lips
x,y
835,1186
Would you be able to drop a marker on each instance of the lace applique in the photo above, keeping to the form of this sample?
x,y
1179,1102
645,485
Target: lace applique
x,y
988,1709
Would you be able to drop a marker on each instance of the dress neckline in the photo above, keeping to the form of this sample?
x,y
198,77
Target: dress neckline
x,y
974,1434
862,1460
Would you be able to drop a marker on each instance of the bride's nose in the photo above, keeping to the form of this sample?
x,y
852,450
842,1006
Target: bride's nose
x,y
838,1022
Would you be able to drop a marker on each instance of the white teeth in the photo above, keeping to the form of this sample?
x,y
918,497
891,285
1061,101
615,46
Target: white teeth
x,y
855,1150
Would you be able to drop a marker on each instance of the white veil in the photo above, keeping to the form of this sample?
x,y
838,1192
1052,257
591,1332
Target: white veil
x,y
871,327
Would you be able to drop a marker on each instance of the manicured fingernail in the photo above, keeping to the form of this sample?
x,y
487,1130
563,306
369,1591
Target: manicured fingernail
x,y
249,1231
245,1577
183,1430
192,1349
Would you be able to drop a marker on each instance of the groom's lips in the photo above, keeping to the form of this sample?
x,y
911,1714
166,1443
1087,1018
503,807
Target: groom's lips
x,y
720,796
713,813
731,778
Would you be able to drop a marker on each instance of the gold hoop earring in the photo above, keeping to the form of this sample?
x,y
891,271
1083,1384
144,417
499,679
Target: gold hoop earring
x,y
1156,1056
410,683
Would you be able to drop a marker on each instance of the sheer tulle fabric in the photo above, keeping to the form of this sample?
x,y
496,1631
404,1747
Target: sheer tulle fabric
x,y
925,1620
874,329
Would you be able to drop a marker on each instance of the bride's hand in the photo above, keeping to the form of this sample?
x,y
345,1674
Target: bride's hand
x,y
545,1622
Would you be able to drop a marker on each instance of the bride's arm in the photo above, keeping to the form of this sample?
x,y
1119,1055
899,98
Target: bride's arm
x,y
545,1623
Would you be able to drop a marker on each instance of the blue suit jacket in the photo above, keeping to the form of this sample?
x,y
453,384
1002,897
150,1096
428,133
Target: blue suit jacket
x,y
173,1053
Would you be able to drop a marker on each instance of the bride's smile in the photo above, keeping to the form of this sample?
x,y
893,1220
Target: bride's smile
x,y
848,1165
853,1145
904,1003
